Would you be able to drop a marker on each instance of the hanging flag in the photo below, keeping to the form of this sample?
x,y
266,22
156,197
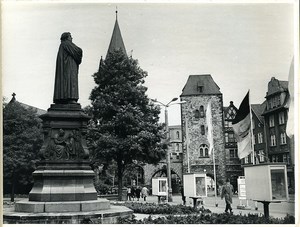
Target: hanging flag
x,y
241,126
209,128
290,121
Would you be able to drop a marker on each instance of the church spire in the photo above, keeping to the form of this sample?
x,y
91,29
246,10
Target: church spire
x,y
116,41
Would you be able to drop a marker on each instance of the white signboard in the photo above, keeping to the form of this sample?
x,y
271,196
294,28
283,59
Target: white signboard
x,y
242,187
160,186
195,185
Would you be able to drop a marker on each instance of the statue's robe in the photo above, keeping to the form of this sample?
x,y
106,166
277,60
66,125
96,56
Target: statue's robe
x,y
66,76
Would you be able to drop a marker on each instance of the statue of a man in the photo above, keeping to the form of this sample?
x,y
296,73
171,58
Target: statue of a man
x,y
66,76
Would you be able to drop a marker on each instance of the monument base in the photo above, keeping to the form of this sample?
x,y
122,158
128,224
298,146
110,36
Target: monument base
x,y
62,206
109,216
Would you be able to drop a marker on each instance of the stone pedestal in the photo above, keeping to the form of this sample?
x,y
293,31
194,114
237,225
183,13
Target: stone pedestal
x,y
63,180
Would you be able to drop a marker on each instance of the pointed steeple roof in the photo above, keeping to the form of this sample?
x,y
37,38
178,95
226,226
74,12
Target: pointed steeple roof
x,y
116,41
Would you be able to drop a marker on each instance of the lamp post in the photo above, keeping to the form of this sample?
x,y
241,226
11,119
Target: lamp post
x,y
168,160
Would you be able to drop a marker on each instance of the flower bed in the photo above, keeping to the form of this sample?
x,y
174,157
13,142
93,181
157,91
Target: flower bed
x,y
206,218
153,208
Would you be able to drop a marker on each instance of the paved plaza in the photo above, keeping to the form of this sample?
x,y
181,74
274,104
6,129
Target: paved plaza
x,y
277,210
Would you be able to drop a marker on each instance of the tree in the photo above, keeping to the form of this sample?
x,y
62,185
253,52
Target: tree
x,y
22,139
125,123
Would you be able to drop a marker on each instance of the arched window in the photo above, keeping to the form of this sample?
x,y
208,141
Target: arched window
x,y
201,111
203,150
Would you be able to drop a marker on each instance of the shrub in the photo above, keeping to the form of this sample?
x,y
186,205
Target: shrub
x,y
207,218
153,208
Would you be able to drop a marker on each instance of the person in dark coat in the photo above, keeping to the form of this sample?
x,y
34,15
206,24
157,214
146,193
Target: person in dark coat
x,y
138,193
227,192
182,195
133,193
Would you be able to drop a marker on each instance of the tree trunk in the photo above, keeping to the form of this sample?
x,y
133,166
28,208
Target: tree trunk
x,y
120,180
12,192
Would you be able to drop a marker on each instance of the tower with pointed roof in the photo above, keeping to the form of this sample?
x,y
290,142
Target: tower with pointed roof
x,y
116,42
197,93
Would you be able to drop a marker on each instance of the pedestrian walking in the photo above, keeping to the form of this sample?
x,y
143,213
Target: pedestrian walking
x,y
227,192
182,195
138,193
145,193
129,193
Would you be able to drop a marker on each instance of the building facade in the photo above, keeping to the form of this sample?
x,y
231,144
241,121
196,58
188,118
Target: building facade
x,y
275,115
197,93
233,163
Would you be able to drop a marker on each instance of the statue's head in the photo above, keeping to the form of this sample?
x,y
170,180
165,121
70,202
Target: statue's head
x,y
65,36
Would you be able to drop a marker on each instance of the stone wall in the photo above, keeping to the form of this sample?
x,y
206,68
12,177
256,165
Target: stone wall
x,y
193,139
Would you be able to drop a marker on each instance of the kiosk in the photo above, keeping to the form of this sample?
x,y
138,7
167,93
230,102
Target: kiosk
x,y
160,187
195,186
266,183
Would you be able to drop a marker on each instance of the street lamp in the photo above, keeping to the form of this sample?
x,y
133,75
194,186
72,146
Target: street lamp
x,y
169,176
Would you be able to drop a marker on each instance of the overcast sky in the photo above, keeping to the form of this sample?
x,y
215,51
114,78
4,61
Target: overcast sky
x,y
241,45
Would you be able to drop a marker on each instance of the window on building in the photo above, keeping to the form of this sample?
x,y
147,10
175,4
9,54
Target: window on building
x,y
196,113
177,135
281,118
246,160
177,147
282,138
261,156
271,121
231,137
203,150
233,153
200,88
260,137
273,140
273,158
202,130
288,159
225,123
284,158
254,139
201,111
276,158
226,137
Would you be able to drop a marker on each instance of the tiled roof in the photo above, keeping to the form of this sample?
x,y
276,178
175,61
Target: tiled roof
x,y
194,82
38,111
258,110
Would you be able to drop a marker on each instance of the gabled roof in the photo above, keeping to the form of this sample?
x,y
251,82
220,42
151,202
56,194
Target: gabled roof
x,y
276,86
258,110
116,41
37,110
194,82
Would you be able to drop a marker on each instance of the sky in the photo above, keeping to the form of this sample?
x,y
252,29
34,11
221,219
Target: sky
x,y
241,45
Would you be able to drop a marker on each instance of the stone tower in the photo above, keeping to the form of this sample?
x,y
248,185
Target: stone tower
x,y
197,93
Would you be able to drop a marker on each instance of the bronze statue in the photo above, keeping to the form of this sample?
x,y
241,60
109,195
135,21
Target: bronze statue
x,y
66,76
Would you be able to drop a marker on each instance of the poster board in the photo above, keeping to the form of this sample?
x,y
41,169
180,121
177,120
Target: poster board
x,y
160,186
266,182
241,187
195,185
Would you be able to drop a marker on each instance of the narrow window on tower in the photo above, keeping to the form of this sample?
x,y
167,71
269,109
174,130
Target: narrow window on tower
x,y
202,130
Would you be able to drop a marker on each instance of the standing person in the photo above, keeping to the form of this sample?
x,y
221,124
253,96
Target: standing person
x,y
227,192
182,195
138,193
145,192
69,57
132,193
129,193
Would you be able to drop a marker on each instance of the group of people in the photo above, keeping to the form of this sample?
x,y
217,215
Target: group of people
x,y
137,192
